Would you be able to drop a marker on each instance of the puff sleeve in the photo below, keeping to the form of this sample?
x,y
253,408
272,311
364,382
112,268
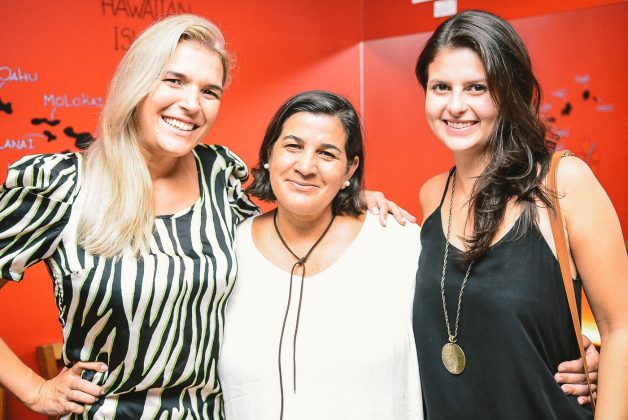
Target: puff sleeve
x,y
236,173
35,204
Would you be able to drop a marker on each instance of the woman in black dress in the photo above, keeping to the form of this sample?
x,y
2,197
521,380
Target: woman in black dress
x,y
488,282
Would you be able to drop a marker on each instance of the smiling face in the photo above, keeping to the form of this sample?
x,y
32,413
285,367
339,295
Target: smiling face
x,y
179,112
458,105
308,164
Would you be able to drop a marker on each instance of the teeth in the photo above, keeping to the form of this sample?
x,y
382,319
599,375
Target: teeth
x,y
455,124
179,124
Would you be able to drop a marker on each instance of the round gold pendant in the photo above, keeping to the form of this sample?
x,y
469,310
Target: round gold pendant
x,y
453,358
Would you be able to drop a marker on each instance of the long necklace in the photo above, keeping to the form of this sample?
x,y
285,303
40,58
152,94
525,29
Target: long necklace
x,y
452,355
299,263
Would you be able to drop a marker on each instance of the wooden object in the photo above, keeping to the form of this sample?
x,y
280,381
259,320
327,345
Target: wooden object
x,y
3,404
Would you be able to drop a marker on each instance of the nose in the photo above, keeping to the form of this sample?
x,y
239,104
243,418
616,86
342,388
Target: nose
x,y
457,104
190,99
305,163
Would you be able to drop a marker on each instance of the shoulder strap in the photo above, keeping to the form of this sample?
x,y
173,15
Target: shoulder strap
x,y
558,232
451,173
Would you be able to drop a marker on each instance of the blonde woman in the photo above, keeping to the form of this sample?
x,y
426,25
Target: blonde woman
x,y
137,234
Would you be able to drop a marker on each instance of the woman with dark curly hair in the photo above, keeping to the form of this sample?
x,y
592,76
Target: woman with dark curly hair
x,y
488,284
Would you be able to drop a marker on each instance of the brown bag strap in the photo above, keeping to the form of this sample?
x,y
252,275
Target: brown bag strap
x,y
558,232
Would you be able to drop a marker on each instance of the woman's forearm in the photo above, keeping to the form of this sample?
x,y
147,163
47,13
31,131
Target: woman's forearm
x,y
18,378
613,376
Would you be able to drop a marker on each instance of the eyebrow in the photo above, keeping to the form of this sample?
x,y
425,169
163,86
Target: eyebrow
x,y
470,82
474,82
185,79
300,141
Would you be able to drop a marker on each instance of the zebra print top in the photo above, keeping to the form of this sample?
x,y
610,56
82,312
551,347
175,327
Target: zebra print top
x,y
155,320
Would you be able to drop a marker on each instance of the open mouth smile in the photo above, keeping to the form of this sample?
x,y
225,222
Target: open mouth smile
x,y
460,124
181,125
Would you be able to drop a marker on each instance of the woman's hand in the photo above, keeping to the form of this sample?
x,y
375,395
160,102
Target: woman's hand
x,y
377,203
571,374
67,392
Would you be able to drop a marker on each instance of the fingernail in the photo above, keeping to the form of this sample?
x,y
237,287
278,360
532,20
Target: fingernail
x,y
375,210
102,391
103,367
565,389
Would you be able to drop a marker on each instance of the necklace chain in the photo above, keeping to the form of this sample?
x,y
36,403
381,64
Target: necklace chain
x,y
452,337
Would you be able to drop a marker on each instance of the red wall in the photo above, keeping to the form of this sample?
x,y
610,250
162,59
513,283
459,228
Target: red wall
x,y
383,19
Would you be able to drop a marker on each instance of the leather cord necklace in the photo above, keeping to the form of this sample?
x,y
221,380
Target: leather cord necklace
x,y
299,263
452,355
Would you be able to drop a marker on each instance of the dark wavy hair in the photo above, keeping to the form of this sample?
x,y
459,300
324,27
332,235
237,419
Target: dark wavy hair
x,y
519,148
348,200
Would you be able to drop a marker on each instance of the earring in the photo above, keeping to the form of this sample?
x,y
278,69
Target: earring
x,y
347,183
266,166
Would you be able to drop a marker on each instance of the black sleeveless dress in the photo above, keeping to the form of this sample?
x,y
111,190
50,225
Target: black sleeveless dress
x,y
515,328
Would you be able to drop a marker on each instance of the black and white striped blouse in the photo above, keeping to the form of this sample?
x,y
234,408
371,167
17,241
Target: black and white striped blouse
x,y
155,320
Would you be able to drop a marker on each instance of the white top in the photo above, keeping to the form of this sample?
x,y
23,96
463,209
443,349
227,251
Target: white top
x,y
355,351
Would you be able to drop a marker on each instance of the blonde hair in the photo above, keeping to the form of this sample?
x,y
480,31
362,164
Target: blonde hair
x,y
118,212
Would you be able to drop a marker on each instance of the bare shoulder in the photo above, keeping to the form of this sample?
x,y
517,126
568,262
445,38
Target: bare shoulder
x,y
585,206
431,193
572,170
595,241
576,182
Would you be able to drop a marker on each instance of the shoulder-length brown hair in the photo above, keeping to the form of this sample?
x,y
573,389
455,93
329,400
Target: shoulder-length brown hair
x,y
348,200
